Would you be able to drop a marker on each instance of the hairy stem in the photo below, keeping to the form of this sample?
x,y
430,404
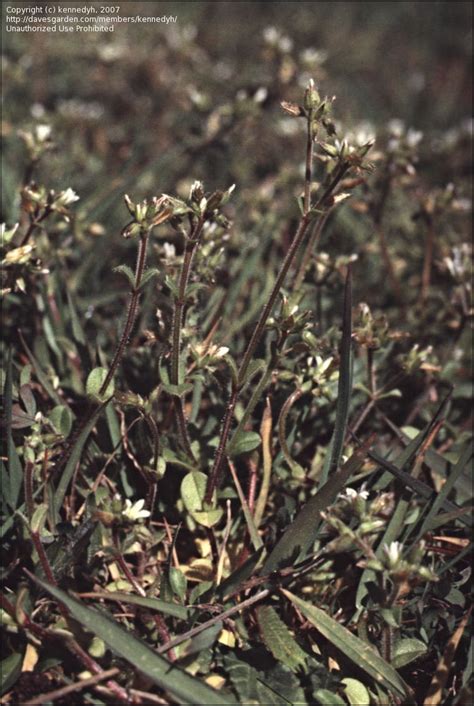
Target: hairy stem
x,y
214,477
215,474
308,176
212,621
177,328
132,311
310,248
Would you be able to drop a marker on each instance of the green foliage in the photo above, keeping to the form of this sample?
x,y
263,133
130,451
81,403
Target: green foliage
x,y
236,420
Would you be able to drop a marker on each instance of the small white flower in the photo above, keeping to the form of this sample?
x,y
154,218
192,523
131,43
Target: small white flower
x,y
196,187
37,110
352,494
66,197
313,56
221,352
414,137
169,251
393,552
43,132
134,512
396,127
271,35
260,94
285,45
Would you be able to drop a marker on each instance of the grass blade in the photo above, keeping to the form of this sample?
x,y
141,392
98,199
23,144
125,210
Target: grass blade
x,y
173,609
15,470
430,520
185,688
438,683
300,535
344,388
254,535
41,375
357,651
395,525
72,461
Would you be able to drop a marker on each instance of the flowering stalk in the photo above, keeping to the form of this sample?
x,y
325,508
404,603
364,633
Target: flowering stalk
x,y
311,100
132,310
214,477
177,328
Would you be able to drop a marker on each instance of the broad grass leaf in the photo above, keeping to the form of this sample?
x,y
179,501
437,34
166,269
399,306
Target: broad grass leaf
x,y
302,532
344,388
177,611
184,688
357,651
10,670
73,460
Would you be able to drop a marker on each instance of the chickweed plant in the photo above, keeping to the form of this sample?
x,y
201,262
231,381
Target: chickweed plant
x,y
255,491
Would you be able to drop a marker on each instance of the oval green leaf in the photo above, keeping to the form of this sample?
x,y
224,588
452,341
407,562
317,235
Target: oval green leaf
x,y
193,491
94,384
406,651
245,442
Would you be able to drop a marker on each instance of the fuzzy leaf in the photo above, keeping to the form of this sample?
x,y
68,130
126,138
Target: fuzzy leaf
x,y
177,390
94,383
278,639
148,275
178,582
245,442
406,651
254,367
193,491
355,692
128,273
61,418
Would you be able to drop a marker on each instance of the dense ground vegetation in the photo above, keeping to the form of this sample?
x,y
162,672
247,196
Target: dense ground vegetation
x,y
237,320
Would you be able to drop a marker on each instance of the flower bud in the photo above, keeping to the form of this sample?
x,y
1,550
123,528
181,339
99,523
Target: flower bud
x,y
311,97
